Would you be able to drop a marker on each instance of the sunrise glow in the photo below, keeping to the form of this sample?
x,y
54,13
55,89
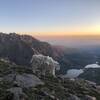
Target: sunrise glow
x,y
51,17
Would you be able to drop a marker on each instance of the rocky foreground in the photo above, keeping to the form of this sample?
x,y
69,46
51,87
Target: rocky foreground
x,y
23,83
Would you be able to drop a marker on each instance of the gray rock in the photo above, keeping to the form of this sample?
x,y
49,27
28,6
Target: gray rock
x,y
87,97
9,77
24,80
74,97
28,80
1,79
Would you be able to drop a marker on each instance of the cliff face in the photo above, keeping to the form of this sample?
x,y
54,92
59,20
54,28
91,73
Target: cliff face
x,y
20,48
41,47
13,48
44,65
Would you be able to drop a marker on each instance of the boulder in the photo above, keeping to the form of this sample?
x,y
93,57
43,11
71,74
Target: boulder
x,y
74,97
24,80
87,97
28,80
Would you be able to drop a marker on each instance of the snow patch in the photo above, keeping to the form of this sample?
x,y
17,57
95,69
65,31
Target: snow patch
x,y
74,73
92,66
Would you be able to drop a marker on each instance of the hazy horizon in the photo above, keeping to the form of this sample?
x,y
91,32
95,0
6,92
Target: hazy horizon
x,y
50,17
72,41
59,22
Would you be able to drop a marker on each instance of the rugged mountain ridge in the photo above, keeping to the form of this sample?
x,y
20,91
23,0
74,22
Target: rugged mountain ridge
x,y
41,47
13,48
20,48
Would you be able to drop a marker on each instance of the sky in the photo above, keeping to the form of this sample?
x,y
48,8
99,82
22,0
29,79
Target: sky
x,y
50,17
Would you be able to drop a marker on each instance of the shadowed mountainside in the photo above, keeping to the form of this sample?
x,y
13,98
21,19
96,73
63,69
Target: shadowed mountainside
x,y
20,48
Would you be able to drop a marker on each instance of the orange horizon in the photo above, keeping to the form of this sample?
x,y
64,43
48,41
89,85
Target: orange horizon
x,y
60,34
